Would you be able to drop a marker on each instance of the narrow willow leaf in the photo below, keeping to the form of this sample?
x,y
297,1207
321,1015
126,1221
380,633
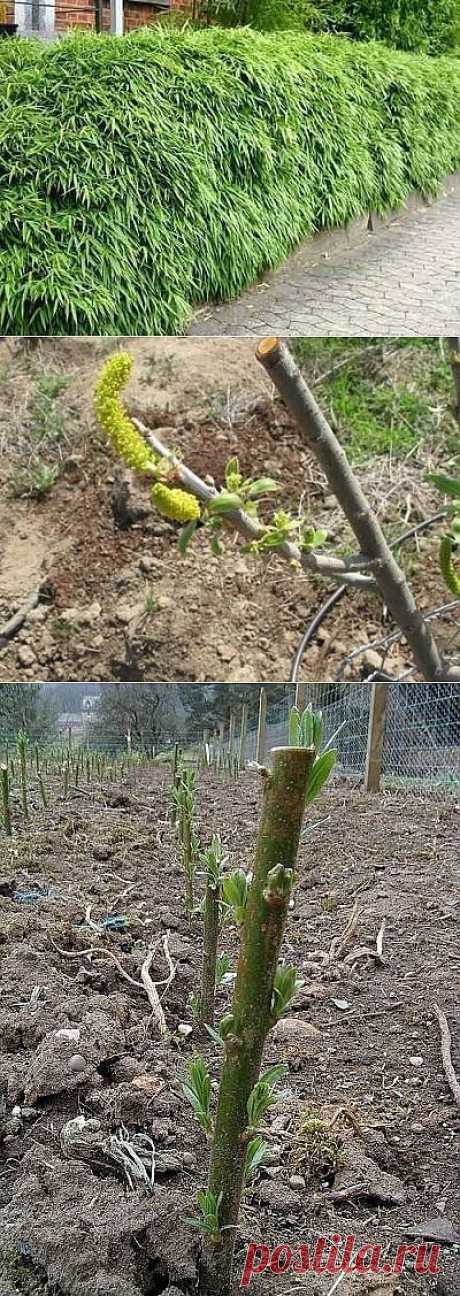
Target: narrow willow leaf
x,y
320,773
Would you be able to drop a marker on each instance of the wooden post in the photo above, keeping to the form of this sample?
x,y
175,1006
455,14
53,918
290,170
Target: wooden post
x,y
221,750
375,737
231,741
243,731
206,747
261,735
300,700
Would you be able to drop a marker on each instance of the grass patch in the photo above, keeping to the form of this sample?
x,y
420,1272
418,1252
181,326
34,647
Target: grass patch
x,y
193,160
383,396
38,426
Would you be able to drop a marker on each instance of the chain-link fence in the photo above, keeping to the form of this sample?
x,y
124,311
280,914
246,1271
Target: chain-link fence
x,y
421,745
421,736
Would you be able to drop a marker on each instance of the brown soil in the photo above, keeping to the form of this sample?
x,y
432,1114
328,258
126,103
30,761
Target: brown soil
x,y
231,618
68,1223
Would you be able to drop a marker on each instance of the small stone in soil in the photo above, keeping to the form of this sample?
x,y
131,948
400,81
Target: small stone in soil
x,y
77,1063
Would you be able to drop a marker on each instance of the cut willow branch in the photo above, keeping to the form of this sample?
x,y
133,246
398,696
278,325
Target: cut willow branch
x,y
321,440
454,357
251,1011
5,794
238,520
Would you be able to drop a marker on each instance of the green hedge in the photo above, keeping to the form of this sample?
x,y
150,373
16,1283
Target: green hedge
x,y
139,176
418,25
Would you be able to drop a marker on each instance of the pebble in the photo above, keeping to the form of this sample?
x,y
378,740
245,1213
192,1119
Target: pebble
x,y
297,1181
126,613
82,616
25,656
38,613
77,1063
272,1155
147,563
293,1028
372,659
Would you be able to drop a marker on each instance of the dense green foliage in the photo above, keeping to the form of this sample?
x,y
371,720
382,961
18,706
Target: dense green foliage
x,y
421,25
431,26
140,176
384,395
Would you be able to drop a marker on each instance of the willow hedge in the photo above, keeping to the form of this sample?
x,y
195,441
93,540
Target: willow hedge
x,y
143,175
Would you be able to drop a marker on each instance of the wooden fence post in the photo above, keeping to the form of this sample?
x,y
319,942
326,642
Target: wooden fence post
x,y
261,728
231,741
375,737
243,731
300,700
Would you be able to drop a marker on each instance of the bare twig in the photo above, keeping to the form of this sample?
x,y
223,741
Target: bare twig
x,y
339,593
152,994
395,635
380,935
446,1054
339,944
9,628
95,949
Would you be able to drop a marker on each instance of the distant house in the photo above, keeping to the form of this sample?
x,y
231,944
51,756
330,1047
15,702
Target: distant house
x,y
49,19
73,720
89,705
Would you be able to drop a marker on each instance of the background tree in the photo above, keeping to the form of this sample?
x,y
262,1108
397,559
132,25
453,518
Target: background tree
x,y
146,711
26,706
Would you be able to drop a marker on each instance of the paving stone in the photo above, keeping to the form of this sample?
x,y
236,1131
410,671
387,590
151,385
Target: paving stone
x,y
402,279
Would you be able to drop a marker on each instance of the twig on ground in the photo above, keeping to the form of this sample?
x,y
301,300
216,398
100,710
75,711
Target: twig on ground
x,y
446,1054
9,628
106,953
145,982
365,951
339,944
152,994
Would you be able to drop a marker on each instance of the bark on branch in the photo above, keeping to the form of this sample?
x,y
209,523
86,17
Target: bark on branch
x,y
454,357
251,1011
321,440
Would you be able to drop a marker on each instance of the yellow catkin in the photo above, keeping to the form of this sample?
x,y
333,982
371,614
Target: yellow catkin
x,y
115,423
174,503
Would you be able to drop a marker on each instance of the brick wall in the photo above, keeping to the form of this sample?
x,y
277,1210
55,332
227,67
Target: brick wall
x,y
7,11
81,13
